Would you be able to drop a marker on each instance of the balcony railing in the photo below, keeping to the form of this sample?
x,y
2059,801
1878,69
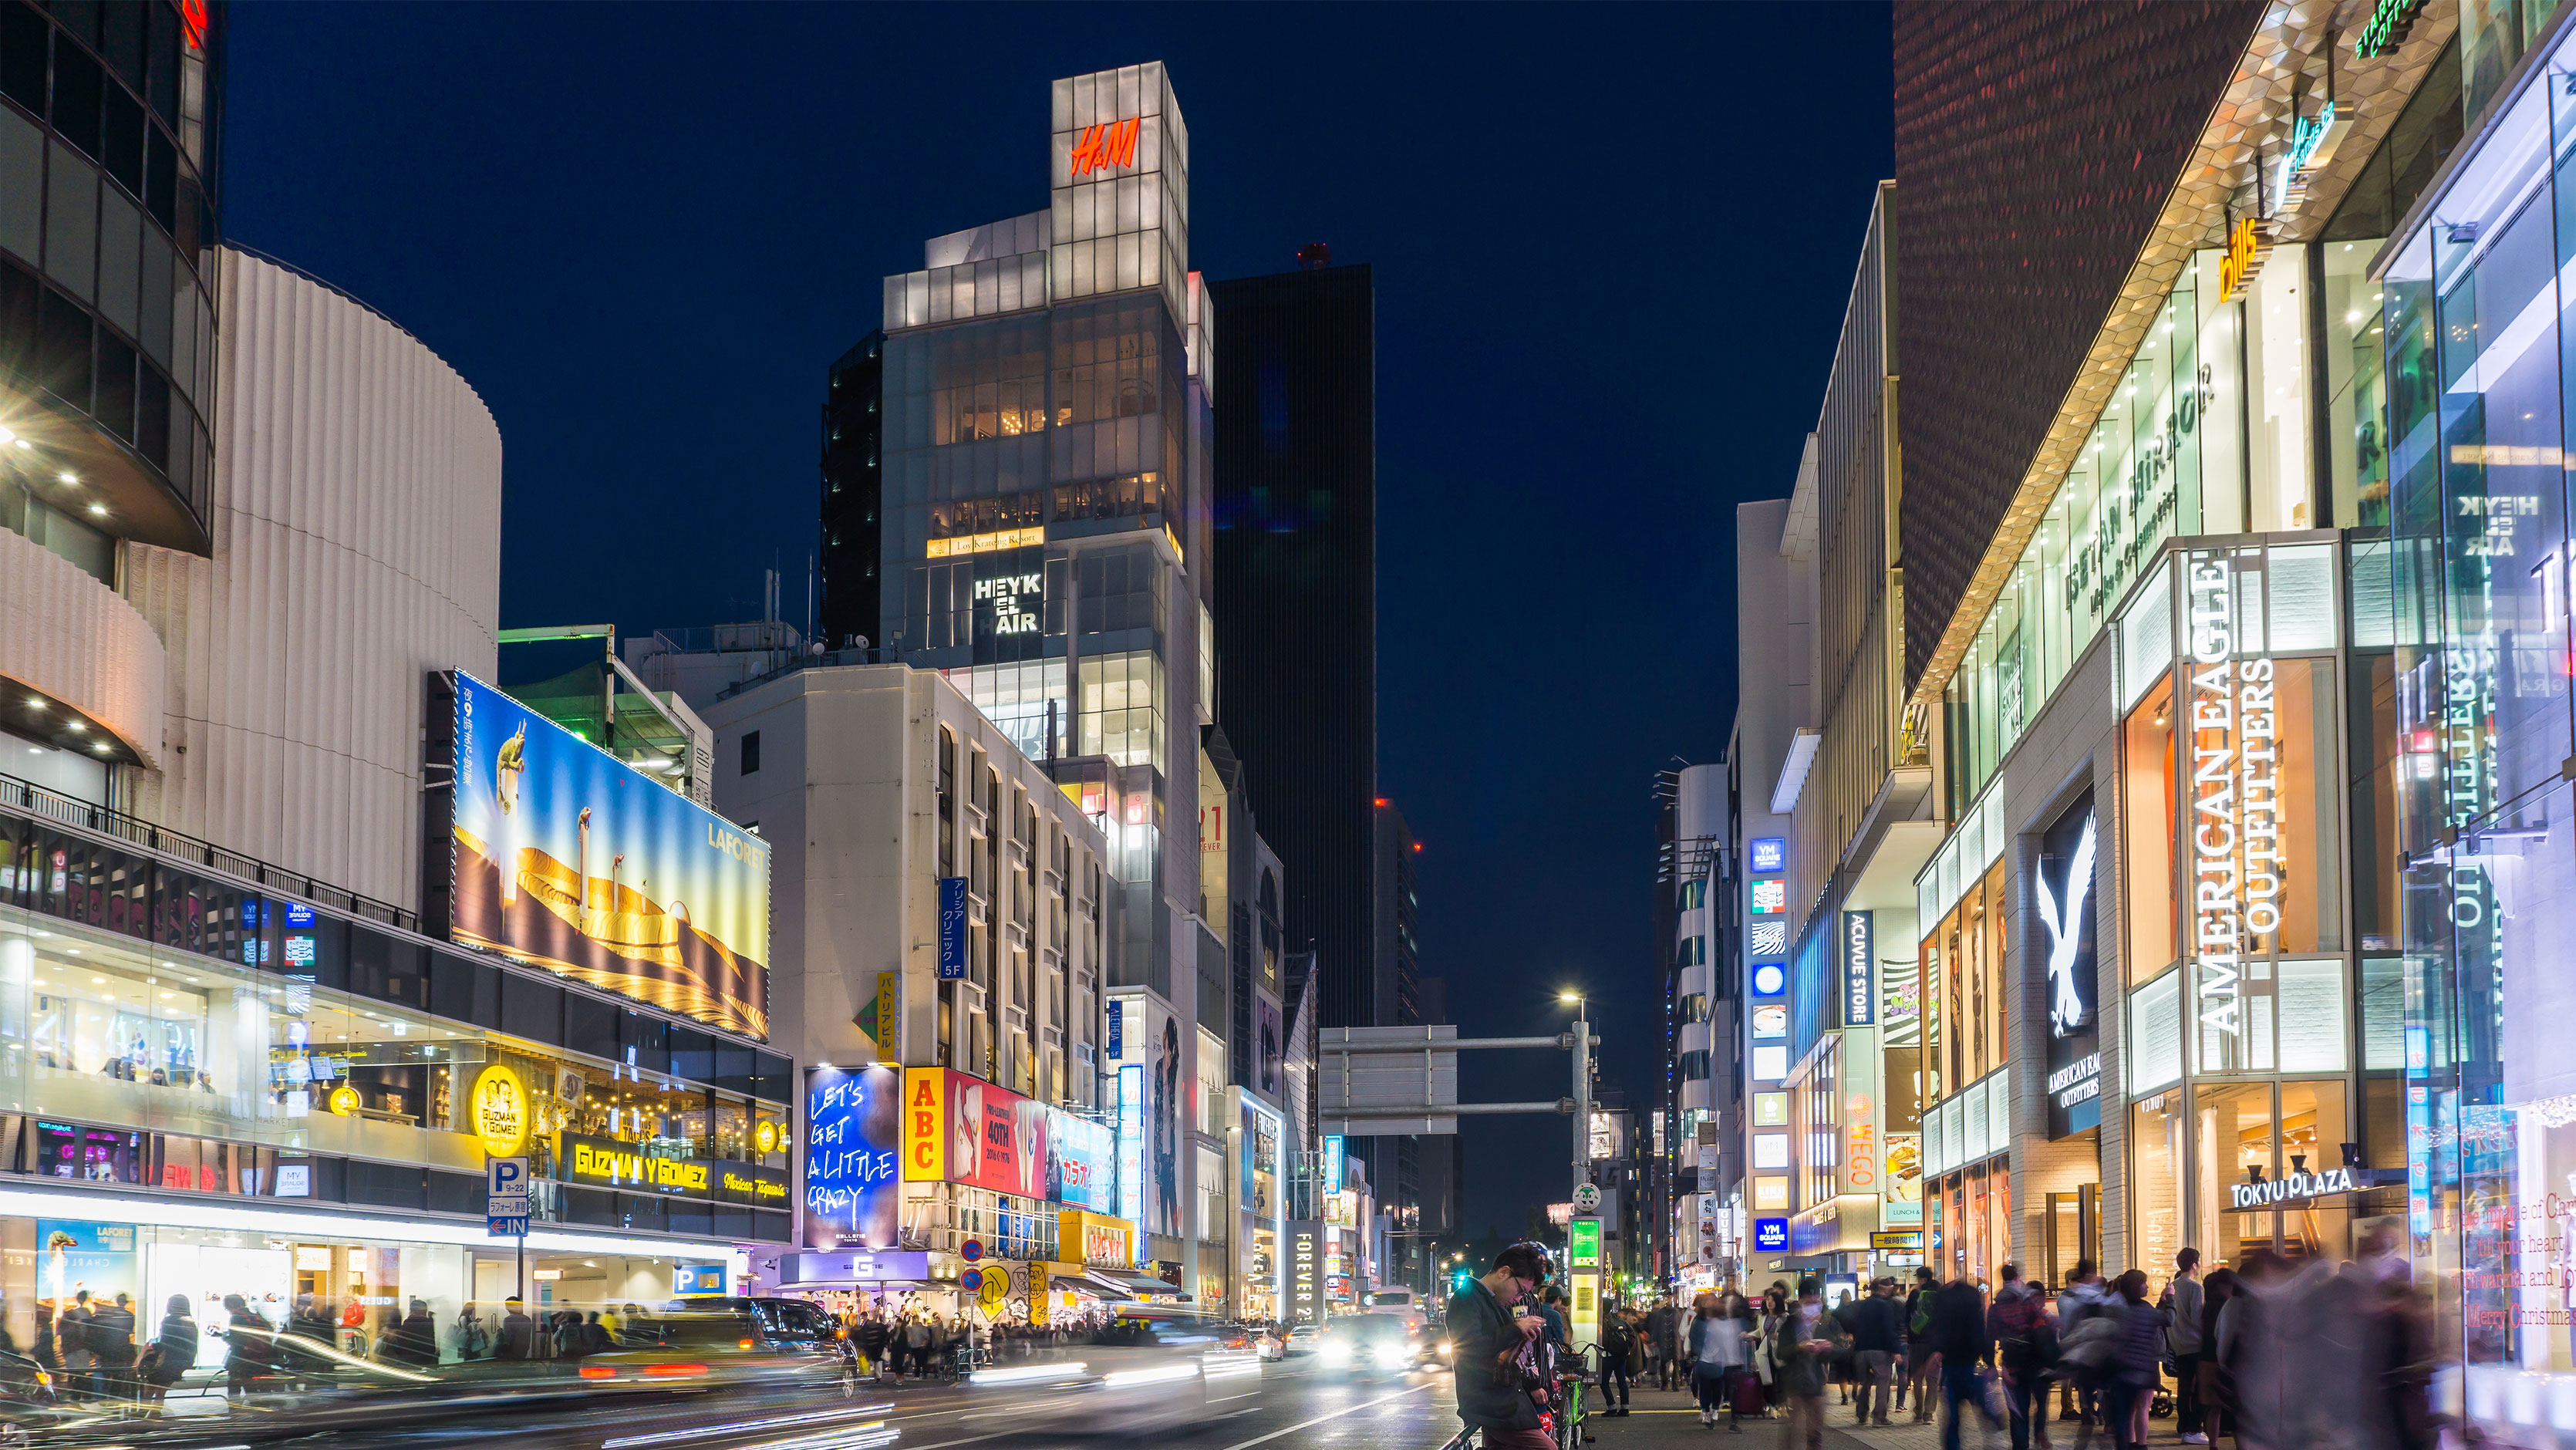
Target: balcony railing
x,y
36,800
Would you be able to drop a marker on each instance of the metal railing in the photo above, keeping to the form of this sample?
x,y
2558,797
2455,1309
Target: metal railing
x,y
36,800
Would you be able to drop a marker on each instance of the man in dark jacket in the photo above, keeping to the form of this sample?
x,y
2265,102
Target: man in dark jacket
x,y
111,1338
1810,1342
518,1332
1920,1361
1877,1339
1959,1336
1489,1338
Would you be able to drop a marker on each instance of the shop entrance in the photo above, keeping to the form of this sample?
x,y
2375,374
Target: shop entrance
x,y
2073,1232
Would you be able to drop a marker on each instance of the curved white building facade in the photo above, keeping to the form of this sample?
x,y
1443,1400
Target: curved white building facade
x,y
84,661
356,518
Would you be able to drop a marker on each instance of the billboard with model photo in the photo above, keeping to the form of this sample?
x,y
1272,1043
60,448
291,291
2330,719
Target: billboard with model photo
x,y
568,860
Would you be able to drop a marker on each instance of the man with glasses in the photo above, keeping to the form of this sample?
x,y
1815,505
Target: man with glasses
x,y
1490,1333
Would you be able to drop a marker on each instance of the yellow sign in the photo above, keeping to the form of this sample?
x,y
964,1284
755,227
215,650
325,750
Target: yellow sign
x,y
764,1139
1083,1237
498,1112
592,1160
997,1285
760,1190
1037,1284
984,543
345,1100
2248,243
924,1148
889,1017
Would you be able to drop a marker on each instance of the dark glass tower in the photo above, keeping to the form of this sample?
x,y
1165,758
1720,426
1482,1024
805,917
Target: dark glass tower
x,y
1296,605
853,493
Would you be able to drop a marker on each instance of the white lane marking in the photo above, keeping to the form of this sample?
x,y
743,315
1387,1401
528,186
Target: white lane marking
x,y
969,1440
1319,1419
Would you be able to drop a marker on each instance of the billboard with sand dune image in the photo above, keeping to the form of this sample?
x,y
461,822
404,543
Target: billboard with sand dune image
x,y
568,860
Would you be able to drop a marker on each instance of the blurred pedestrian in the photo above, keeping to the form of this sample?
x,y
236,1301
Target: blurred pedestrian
x,y
1877,1339
2182,1340
173,1352
2025,1353
80,1363
473,1340
1922,1363
1805,1346
518,1332
1967,1349
250,1349
111,1333
2138,1348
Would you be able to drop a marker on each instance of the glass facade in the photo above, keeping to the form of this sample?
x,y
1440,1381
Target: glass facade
x,y
110,125
2477,706
174,1033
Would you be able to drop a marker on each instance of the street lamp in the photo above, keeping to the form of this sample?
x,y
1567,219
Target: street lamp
x,y
1582,1085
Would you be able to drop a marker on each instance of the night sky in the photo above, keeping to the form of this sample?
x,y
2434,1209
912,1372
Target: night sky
x,y
1612,248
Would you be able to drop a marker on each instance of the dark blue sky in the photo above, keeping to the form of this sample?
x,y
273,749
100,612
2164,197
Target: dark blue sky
x,y
1611,248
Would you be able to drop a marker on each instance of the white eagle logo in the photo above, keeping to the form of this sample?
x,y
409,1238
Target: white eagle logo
x,y
2064,932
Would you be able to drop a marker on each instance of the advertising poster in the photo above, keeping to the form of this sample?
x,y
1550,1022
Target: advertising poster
x,y
1163,1098
852,1189
961,1129
74,1256
1131,1143
1270,1040
568,860
1082,1164
1151,1043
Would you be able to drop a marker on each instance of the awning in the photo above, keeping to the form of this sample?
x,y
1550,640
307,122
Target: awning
x,y
1129,1282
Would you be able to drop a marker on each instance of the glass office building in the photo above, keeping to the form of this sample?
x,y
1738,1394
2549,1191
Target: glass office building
x,y
1045,481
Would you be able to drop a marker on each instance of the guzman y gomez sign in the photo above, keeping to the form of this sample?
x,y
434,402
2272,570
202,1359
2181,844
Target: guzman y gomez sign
x,y
2235,828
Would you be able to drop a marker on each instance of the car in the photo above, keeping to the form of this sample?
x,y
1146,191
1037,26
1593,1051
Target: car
x,y
1150,1368
1301,1340
1365,1342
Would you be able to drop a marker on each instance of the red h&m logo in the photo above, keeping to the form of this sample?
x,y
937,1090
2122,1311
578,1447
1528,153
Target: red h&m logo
x,y
1106,146
192,15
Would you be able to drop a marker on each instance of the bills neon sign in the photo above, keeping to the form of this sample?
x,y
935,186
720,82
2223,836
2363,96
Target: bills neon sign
x,y
1105,146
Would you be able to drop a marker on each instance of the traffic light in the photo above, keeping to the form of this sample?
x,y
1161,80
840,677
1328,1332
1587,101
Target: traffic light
x,y
1459,1278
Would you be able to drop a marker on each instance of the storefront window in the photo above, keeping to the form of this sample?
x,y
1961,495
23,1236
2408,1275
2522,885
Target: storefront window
x,y
2164,440
2148,797
2156,1154
2354,361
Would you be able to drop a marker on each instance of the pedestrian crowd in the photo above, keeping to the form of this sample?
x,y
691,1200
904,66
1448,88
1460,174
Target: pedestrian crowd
x,y
2275,1354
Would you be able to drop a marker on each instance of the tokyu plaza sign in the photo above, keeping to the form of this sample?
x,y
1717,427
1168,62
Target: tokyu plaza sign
x,y
2234,786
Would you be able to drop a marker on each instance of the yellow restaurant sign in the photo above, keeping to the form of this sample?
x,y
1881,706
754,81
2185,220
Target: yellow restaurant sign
x,y
499,1110
738,1184
589,1160
1099,1238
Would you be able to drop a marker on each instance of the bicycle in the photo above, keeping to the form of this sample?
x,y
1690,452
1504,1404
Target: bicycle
x,y
1569,1383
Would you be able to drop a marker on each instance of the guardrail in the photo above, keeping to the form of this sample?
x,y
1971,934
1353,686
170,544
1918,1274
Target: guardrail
x,y
71,811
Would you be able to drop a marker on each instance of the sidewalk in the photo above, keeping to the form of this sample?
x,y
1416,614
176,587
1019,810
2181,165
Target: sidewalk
x,y
1662,1420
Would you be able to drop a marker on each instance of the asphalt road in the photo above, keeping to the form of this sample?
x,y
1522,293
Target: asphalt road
x,y
1286,1407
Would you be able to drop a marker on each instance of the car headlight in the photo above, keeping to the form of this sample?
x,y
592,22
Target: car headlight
x,y
1444,1346
1336,1352
1389,1353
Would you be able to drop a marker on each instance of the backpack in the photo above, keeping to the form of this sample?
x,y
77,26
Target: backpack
x,y
1921,1324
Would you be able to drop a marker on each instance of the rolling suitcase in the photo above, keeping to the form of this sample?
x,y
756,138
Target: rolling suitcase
x,y
1747,1396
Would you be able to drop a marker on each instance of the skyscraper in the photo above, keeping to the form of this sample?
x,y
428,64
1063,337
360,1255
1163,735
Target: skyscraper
x,y
1296,605
853,502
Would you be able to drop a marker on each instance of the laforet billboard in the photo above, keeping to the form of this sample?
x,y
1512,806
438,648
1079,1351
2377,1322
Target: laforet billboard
x,y
566,859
